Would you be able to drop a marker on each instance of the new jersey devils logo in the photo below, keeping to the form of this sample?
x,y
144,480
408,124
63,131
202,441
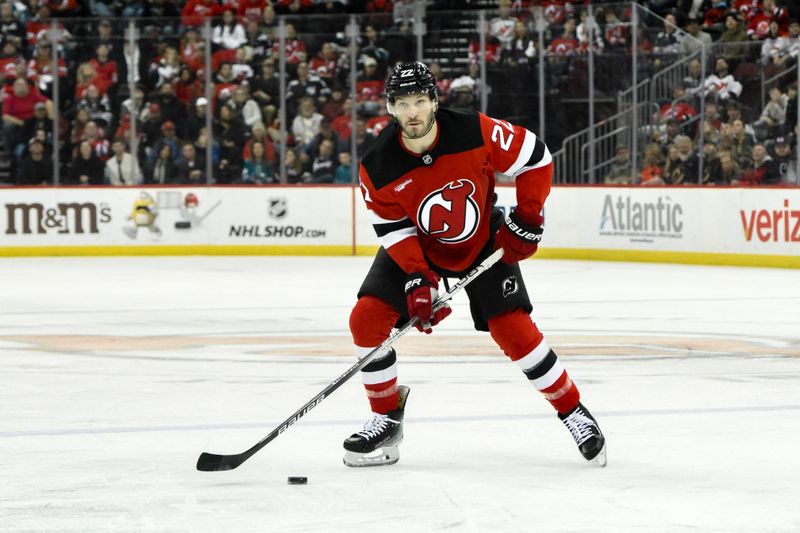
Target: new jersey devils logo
x,y
510,286
451,213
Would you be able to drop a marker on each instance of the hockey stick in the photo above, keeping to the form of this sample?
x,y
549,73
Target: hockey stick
x,y
211,462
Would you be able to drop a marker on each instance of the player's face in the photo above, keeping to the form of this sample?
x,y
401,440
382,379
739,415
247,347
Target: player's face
x,y
415,113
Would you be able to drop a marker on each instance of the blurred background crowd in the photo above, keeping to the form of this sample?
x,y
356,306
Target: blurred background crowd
x,y
123,92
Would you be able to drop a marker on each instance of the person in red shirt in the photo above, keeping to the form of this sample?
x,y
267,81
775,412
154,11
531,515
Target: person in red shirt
x,y
369,87
379,6
758,19
335,105
36,27
63,7
556,11
191,50
566,44
376,124
105,67
679,108
188,87
493,50
8,59
745,7
250,10
94,135
40,68
343,123
295,46
87,75
259,133
324,63
616,31
714,17
195,12
428,183
17,108
224,84
37,24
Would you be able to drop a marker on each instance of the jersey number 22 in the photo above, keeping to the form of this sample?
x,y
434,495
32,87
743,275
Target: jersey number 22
x,y
497,132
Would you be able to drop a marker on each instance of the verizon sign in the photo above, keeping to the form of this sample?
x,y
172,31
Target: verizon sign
x,y
771,224
64,218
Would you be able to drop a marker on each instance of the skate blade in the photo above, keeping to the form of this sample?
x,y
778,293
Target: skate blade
x,y
601,458
381,457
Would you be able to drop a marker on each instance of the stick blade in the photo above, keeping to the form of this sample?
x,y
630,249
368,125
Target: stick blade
x,y
211,462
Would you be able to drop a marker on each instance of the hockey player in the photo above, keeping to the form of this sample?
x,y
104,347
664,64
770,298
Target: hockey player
x,y
428,183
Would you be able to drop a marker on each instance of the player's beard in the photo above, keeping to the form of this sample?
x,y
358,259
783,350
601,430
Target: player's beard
x,y
410,134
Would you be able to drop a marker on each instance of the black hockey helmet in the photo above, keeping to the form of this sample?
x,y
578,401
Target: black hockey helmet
x,y
410,78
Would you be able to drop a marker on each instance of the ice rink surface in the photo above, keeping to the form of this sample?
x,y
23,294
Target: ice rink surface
x,y
118,372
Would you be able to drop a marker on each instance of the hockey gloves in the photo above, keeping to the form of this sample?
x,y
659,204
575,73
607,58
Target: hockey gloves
x,y
519,237
421,293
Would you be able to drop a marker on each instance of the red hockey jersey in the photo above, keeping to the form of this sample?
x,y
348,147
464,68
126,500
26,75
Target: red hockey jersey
x,y
435,207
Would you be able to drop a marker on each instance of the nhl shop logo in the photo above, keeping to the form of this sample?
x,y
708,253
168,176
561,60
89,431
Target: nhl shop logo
x,y
451,214
277,207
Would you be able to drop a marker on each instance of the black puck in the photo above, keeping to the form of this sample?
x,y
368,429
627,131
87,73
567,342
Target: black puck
x,y
298,480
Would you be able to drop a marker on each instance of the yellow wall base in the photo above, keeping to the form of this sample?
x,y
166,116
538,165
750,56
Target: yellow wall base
x,y
691,258
200,249
688,258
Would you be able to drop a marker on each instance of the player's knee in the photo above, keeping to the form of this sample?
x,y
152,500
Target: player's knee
x,y
515,333
371,321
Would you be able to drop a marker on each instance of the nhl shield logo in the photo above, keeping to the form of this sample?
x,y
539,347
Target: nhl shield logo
x,y
427,159
277,207
510,286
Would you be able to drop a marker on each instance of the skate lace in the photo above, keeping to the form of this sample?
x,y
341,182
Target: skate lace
x,y
580,426
375,426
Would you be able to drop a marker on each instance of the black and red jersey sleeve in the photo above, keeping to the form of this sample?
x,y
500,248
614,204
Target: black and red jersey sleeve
x,y
396,232
517,152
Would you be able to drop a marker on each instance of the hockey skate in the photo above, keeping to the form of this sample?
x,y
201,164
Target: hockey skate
x,y
377,444
587,434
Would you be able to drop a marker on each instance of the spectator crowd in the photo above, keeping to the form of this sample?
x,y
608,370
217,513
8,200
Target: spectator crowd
x,y
740,141
111,84
114,87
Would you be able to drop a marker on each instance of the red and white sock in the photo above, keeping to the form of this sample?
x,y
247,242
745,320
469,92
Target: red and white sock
x,y
380,381
542,367
524,344
371,322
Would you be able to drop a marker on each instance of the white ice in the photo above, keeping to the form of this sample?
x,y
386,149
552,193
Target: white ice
x,y
118,372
